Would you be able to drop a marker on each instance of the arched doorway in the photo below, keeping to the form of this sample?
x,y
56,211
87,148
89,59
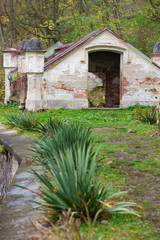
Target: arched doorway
x,y
104,66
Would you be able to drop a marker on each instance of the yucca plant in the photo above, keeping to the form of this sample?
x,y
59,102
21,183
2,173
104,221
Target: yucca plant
x,y
70,183
62,137
145,115
24,121
52,125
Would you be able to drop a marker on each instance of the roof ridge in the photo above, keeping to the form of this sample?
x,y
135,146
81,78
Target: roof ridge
x,y
71,48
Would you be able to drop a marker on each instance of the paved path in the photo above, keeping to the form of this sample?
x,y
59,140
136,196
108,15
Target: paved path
x,y
17,211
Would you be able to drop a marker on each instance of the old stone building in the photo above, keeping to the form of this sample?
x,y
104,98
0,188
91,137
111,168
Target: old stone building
x,y
62,76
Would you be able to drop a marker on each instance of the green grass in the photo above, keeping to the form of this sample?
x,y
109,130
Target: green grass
x,y
122,153
119,228
121,119
5,109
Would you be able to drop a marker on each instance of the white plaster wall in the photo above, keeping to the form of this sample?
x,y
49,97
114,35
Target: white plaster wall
x,y
9,60
141,82
34,67
21,63
10,63
34,62
93,81
67,81
7,84
156,58
34,97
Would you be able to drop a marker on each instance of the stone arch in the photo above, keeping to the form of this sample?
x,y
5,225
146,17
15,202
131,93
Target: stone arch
x,y
105,71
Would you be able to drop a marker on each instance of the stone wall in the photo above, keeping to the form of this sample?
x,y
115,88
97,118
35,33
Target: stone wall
x,y
8,168
14,150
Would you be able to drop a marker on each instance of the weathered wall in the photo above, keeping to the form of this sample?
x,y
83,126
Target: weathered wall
x,y
34,67
93,81
18,89
66,83
8,168
155,57
14,150
34,92
10,63
28,87
140,82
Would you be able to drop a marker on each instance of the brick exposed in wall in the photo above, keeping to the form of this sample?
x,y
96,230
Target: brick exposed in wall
x,y
149,81
19,88
125,85
81,95
62,87
153,90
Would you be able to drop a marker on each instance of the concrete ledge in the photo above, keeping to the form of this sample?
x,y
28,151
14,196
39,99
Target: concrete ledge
x,y
18,211
33,105
126,104
15,144
71,104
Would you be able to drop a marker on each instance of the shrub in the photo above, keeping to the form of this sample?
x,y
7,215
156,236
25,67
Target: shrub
x,y
70,183
96,97
68,179
145,115
24,121
59,137
52,125
69,229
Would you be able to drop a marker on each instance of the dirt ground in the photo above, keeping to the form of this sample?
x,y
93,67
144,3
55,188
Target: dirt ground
x,y
137,157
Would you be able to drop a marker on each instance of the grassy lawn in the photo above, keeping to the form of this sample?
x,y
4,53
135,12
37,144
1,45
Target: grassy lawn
x,y
131,161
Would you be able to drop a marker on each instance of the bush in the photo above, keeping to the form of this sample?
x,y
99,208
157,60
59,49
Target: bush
x,y
24,121
60,136
96,97
69,180
145,115
52,126
70,183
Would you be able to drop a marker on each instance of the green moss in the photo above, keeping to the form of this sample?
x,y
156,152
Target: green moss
x,y
2,149
96,97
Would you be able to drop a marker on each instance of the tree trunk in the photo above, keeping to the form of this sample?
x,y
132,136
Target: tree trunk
x,y
2,35
87,12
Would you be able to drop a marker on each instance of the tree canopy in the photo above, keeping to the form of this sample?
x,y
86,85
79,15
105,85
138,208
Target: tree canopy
x,y
136,21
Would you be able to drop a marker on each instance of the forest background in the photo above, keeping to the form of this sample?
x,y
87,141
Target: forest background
x,y
136,21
